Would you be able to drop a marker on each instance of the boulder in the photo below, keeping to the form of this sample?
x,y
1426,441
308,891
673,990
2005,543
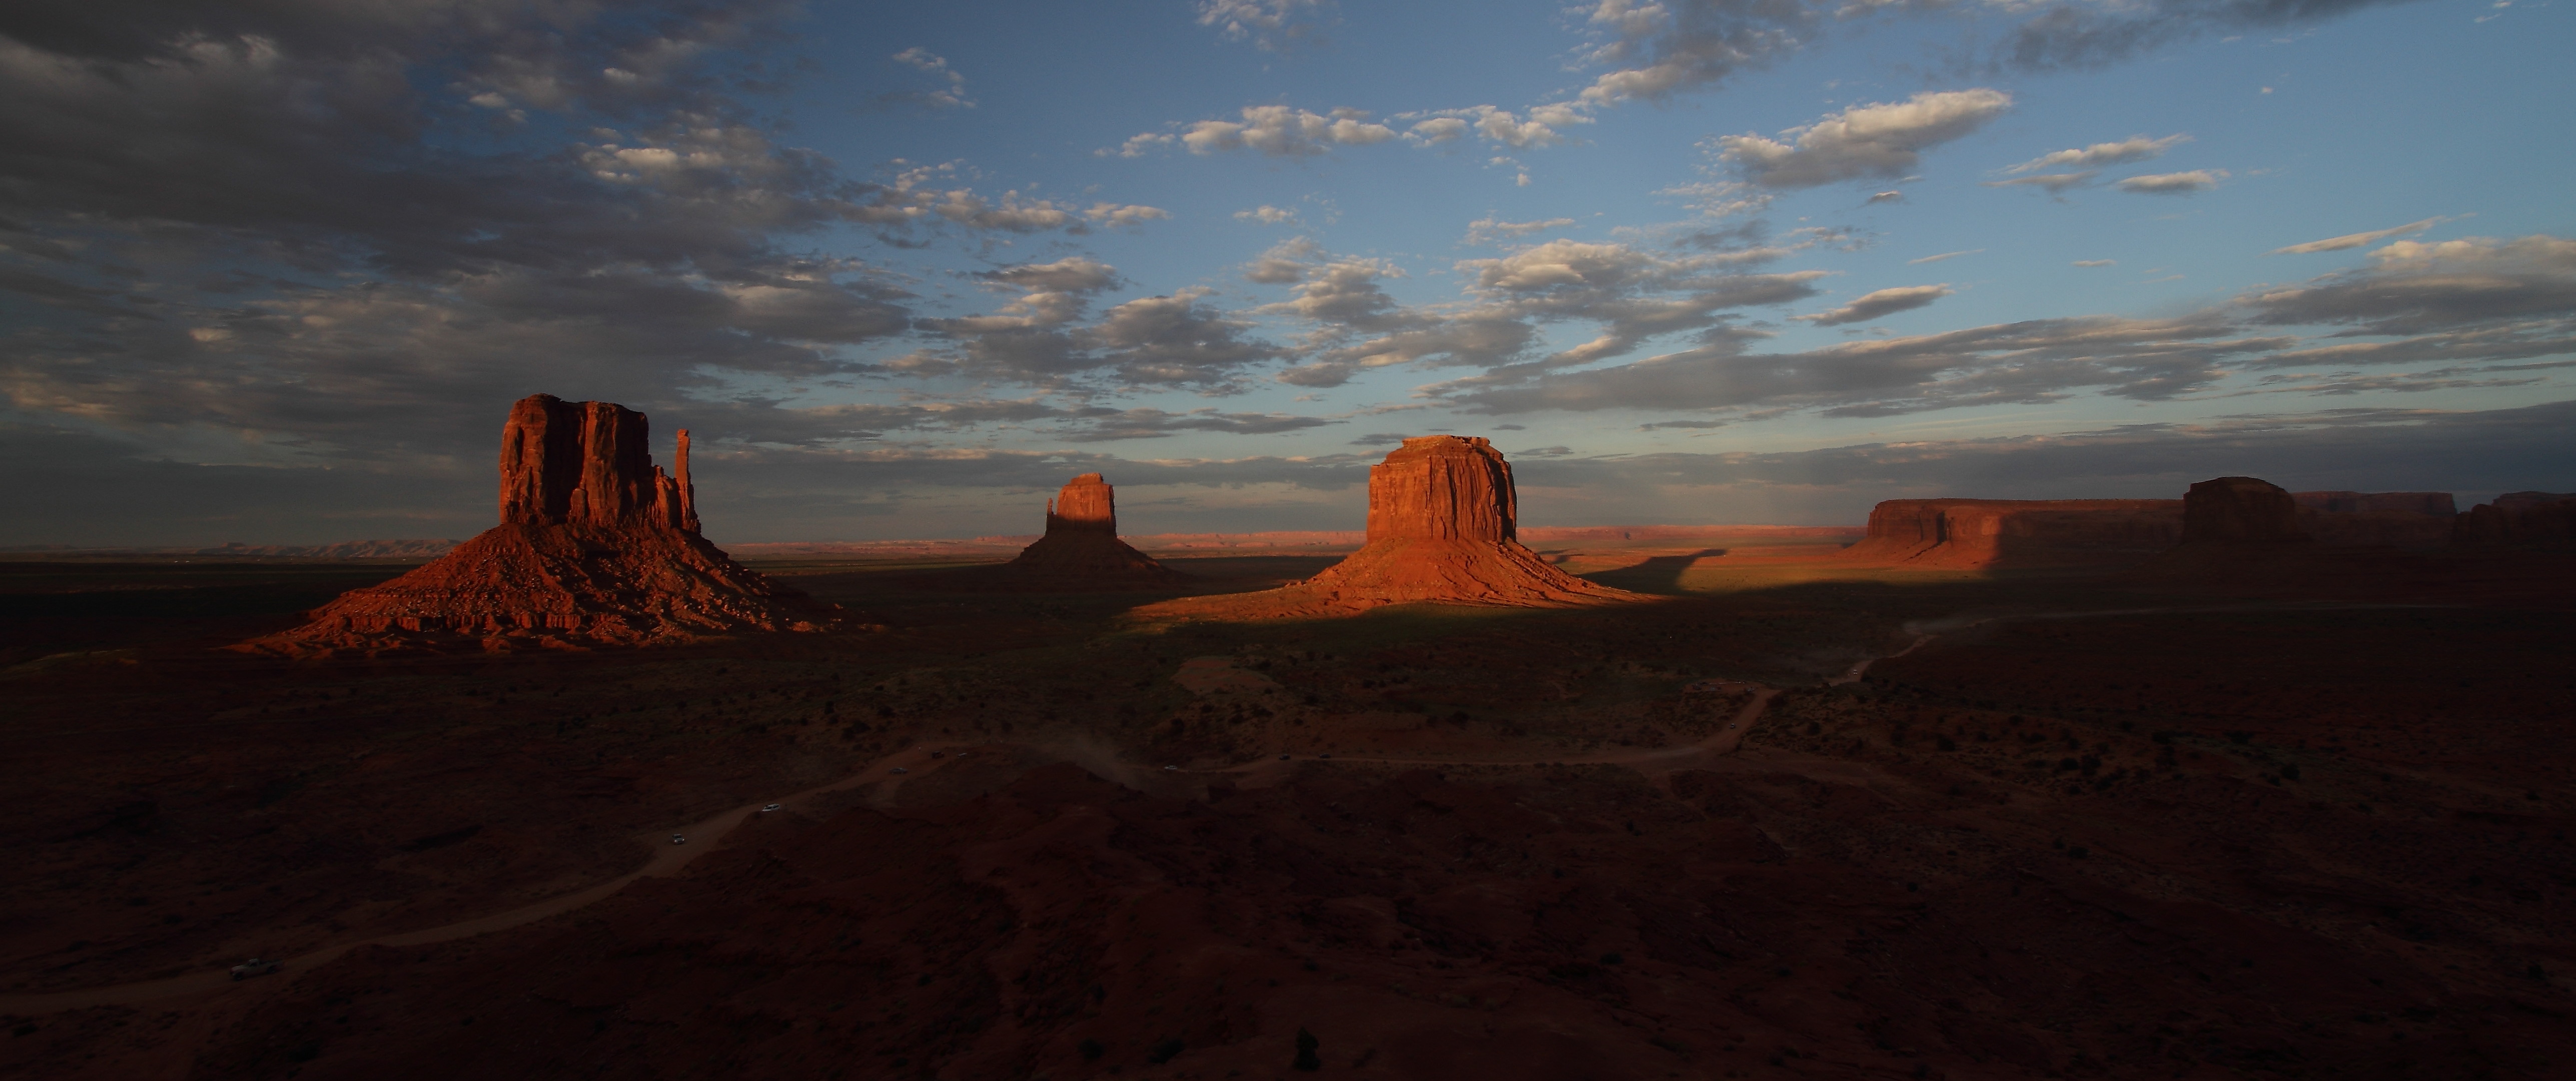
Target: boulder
x,y
596,547
1975,534
1442,525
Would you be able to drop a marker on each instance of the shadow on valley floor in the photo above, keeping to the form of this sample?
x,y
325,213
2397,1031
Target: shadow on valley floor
x,y
2269,841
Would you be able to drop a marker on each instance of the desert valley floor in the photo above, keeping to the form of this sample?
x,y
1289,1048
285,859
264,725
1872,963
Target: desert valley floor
x,y
2064,823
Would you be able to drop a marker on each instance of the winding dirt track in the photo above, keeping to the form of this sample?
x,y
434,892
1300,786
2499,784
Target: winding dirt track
x,y
668,858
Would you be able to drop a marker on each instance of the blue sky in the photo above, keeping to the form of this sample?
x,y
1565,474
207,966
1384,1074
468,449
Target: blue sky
x,y
274,275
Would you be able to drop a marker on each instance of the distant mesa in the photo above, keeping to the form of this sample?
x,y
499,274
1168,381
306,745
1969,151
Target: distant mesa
x,y
2519,519
2240,510
2419,520
1985,534
1442,528
1080,552
596,547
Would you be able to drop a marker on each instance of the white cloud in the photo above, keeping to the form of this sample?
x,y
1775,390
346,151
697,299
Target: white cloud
x,y
2173,183
1942,256
1888,197
1883,139
2097,262
1489,230
951,96
2356,240
1882,302
1270,24
2133,148
1544,127
1438,129
1282,131
1267,214
2055,182
1114,215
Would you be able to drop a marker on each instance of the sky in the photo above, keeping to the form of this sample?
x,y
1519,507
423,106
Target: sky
x,y
272,271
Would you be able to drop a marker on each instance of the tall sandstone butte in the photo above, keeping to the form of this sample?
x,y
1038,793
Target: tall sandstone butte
x,y
596,547
1442,528
1081,549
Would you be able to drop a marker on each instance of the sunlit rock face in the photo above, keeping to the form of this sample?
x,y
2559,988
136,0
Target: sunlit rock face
x,y
596,547
1442,518
589,463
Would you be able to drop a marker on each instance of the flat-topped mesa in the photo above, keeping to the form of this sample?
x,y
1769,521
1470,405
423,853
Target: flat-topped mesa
x,y
589,463
2000,533
1443,515
596,546
2390,519
2519,519
2240,510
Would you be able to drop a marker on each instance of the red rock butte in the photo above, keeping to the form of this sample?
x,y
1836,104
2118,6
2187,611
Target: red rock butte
x,y
2520,519
2002,533
1441,529
1081,548
596,547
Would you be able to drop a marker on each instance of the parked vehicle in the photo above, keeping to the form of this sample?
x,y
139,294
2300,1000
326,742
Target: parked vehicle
x,y
771,807
256,967
678,839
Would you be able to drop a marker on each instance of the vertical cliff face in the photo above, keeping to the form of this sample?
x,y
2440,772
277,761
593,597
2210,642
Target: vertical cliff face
x,y
1443,487
2240,510
596,546
588,463
1080,551
1443,515
1086,505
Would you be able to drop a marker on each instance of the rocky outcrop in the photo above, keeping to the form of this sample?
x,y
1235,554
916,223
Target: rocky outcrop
x,y
1442,527
1979,534
2390,519
596,547
2519,519
2240,510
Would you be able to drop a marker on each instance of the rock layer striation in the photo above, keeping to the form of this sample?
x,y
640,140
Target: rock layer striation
x,y
1442,529
596,547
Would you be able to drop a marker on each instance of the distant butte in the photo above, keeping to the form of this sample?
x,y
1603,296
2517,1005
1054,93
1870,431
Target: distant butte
x,y
1080,552
596,547
1966,534
1442,529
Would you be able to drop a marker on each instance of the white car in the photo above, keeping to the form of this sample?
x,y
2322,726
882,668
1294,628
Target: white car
x,y
678,839
771,807
1171,769
256,967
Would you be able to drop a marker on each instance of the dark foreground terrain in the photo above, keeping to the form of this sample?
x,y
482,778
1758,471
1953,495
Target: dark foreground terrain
x,y
2088,826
